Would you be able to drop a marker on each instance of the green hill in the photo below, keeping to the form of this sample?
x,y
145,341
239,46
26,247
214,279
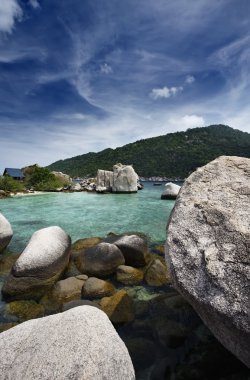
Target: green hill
x,y
172,155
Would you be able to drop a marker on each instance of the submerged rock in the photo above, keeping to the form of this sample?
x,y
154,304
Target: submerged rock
x,y
100,260
96,288
6,232
208,249
171,191
119,308
80,343
134,249
24,310
39,266
125,179
157,273
128,275
76,303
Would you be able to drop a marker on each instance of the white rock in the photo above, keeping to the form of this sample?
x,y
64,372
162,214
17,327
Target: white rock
x,y
208,249
6,232
171,191
125,179
79,344
104,180
40,264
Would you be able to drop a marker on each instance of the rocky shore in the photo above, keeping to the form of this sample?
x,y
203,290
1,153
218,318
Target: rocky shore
x,y
90,290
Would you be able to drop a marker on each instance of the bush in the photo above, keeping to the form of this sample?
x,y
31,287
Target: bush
x,y
7,183
42,179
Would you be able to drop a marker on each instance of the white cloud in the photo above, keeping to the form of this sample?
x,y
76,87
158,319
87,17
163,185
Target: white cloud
x,y
165,92
189,79
106,69
9,12
35,4
187,121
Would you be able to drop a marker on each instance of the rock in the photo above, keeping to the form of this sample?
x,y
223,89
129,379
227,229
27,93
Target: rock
x,y
100,189
68,289
208,249
24,310
157,274
171,191
39,266
119,308
104,180
125,179
76,187
6,263
128,275
86,243
101,260
96,288
76,303
6,232
80,343
134,250
64,178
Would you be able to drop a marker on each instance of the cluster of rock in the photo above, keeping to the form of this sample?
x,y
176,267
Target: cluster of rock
x,y
159,179
87,184
171,191
52,272
208,249
123,179
62,177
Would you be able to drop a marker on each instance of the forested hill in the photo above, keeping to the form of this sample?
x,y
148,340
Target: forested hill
x,y
172,155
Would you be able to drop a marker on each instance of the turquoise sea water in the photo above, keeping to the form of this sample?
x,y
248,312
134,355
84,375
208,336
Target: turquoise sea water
x,y
88,214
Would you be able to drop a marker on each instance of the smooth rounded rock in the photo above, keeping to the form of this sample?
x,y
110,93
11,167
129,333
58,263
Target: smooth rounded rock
x,y
96,288
128,275
40,264
79,344
6,232
134,249
101,260
68,289
208,249
171,191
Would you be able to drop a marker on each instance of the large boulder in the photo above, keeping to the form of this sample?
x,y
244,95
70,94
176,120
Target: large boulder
x,y
125,179
6,232
100,260
134,249
208,249
171,191
104,180
80,343
39,266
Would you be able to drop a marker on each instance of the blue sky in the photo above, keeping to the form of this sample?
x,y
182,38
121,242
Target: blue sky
x,y
83,75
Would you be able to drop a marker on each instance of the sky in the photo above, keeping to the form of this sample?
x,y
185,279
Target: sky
x,y
83,75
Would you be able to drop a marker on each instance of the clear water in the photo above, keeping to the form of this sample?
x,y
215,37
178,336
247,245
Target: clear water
x,y
88,214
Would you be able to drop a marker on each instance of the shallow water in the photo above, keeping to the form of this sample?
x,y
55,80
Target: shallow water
x,y
88,214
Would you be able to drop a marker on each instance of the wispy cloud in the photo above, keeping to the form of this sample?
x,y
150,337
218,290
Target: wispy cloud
x,y
165,92
10,11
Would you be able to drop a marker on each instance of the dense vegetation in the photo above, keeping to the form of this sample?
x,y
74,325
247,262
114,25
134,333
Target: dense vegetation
x,y
7,183
36,178
172,155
